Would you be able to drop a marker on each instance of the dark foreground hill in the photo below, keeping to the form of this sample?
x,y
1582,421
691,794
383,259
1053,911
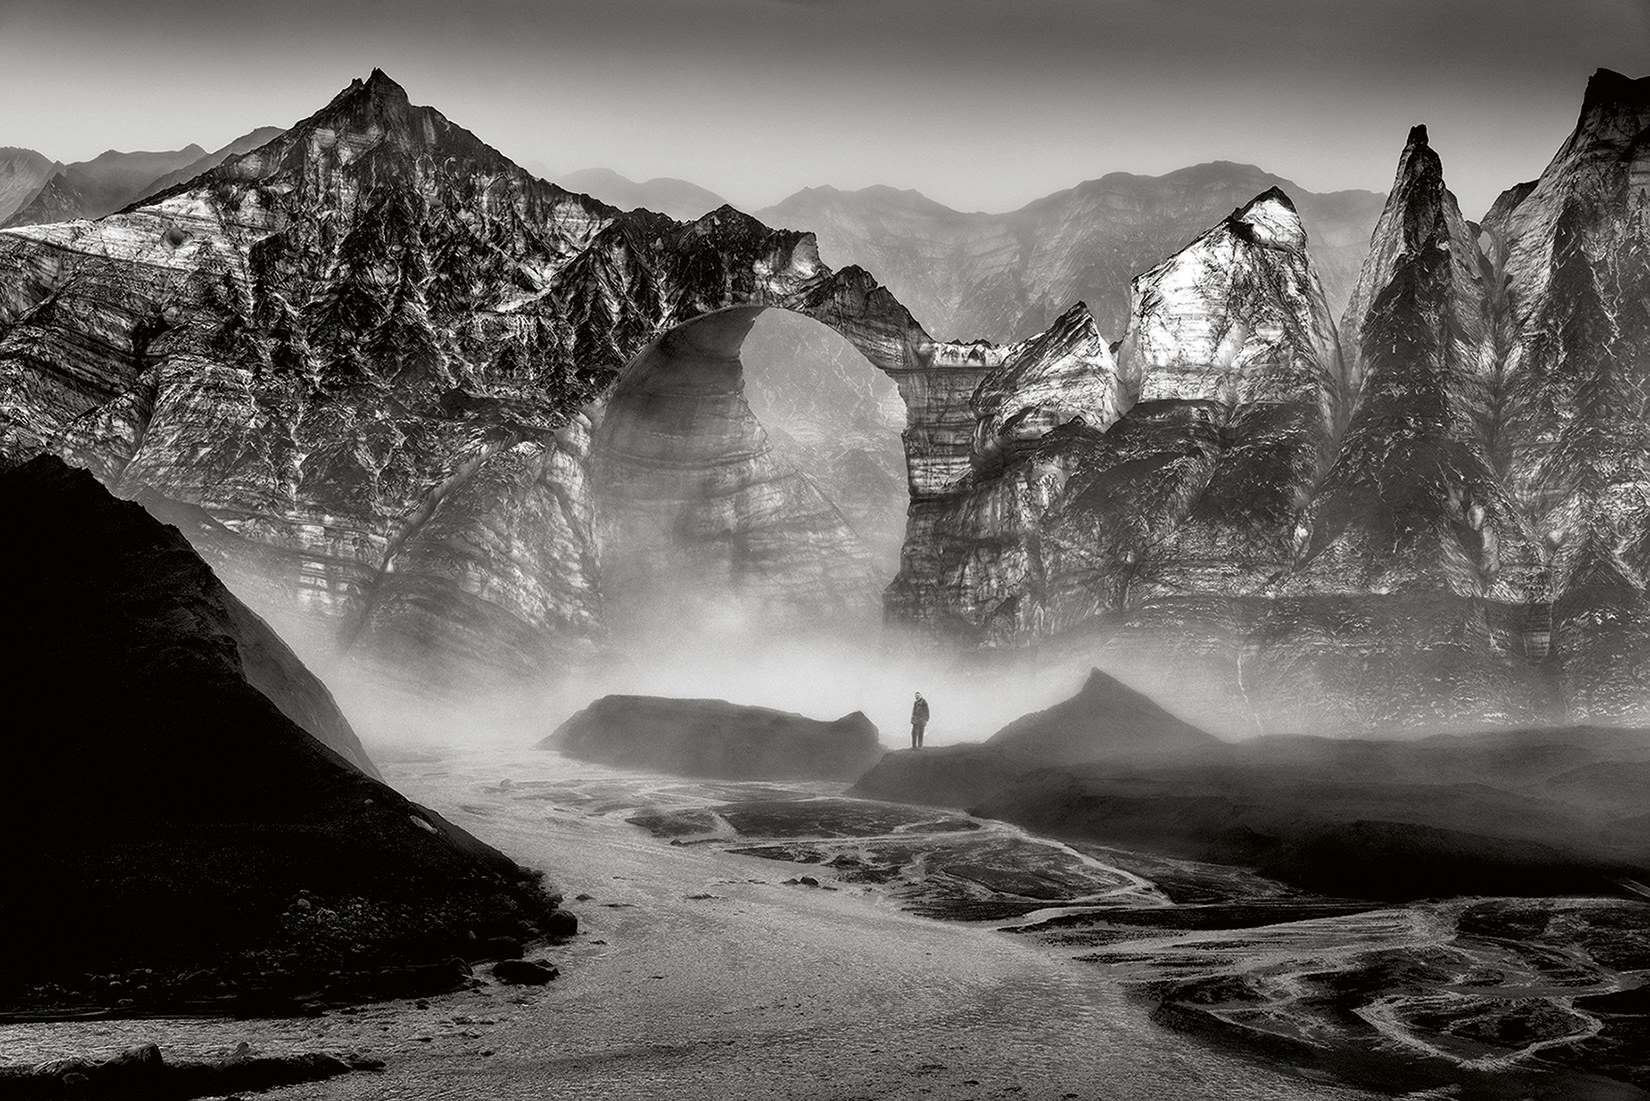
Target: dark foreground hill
x,y
1528,812
718,739
177,838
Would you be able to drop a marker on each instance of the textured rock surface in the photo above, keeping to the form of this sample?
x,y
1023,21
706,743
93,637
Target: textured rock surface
x,y
1063,375
23,172
361,350
1232,364
366,367
243,144
196,828
107,182
1006,277
717,738
698,505
1443,526
1572,257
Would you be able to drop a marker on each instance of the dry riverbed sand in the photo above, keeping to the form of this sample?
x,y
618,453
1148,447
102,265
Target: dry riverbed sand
x,y
701,973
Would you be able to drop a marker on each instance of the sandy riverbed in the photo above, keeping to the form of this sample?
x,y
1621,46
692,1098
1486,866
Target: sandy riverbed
x,y
701,974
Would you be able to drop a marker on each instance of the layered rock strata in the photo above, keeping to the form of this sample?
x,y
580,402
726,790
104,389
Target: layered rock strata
x,y
360,353
1225,383
1439,525
1572,264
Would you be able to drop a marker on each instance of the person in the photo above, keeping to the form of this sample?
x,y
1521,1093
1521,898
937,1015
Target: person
x,y
919,719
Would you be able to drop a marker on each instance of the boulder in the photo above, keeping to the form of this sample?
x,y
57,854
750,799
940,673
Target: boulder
x,y
718,739
524,972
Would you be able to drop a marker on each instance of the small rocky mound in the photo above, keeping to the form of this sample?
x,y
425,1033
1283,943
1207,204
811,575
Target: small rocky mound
x,y
1105,721
180,840
718,739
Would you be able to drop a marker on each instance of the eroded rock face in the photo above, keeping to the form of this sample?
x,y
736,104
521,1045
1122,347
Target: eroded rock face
x,y
363,351
1415,550
700,507
1226,382
1572,252
1063,375
1442,527
716,738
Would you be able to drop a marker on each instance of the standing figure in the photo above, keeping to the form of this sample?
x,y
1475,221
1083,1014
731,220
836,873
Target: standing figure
x,y
919,719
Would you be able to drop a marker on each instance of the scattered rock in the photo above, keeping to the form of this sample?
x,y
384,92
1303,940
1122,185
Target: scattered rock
x,y
142,1072
524,972
559,924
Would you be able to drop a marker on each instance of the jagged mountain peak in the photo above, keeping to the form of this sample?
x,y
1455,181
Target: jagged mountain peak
x,y
380,83
1614,111
1077,318
1062,375
1607,88
1418,193
377,85
1269,219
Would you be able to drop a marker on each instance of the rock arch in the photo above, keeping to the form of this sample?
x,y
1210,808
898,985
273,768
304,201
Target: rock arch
x,y
709,508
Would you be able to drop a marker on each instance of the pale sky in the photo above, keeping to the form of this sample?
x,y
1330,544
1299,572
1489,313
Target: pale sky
x,y
981,105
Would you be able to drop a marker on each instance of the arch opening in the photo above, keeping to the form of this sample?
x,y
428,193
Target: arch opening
x,y
750,476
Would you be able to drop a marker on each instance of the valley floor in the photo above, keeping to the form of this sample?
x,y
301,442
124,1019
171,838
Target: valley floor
x,y
701,973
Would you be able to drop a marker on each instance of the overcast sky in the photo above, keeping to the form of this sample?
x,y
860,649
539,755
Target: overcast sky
x,y
982,105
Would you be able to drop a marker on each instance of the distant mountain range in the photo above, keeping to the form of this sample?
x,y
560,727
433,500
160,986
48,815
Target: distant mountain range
x,y
23,172
36,191
680,199
1006,277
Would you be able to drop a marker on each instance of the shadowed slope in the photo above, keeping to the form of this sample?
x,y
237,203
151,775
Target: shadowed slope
x,y
177,814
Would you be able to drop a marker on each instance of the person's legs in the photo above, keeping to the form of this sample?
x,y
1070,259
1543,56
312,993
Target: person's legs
x,y
916,733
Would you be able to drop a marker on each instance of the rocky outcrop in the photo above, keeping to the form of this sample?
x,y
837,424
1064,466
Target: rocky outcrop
x,y
1413,548
718,739
362,351
1572,256
444,417
1226,382
102,185
1105,721
1006,277
1060,376
23,172
176,750
1440,526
